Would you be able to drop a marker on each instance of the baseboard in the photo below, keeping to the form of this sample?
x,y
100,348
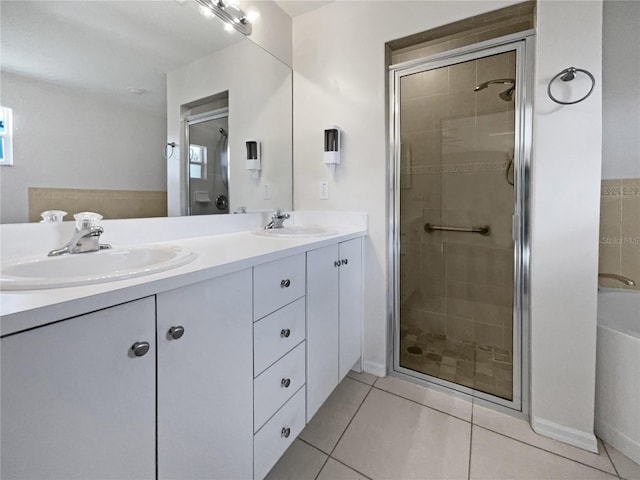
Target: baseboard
x,y
619,441
374,368
562,433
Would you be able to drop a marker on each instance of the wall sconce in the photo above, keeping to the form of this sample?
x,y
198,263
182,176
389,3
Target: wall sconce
x,y
332,148
254,154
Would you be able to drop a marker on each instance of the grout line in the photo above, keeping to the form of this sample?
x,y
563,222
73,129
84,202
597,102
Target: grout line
x,y
358,380
351,420
548,451
423,405
321,468
312,445
615,469
351,468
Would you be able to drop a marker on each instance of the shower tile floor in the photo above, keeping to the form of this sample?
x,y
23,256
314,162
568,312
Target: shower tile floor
x,y
390,429
482,367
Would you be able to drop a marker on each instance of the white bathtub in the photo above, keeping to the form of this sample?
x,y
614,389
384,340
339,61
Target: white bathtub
x,y
618,370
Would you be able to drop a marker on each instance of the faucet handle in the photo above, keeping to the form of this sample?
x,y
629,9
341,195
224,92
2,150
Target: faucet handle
x,y
85,220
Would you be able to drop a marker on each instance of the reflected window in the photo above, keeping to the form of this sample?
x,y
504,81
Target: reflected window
x,y
6,134
198,161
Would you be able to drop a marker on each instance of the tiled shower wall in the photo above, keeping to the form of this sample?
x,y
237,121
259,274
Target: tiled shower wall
x,y
620,231
456,147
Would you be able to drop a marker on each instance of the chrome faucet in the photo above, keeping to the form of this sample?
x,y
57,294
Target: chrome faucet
x,y
277,220
621,278
86,238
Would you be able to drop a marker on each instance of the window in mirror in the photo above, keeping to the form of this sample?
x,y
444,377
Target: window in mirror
x,y
198,161
6,134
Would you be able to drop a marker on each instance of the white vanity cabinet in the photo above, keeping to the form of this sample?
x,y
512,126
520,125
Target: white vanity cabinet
x,y
77,402
334,318
279,359
205,379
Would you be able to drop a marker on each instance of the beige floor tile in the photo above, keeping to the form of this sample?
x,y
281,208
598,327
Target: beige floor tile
x,y
363,377
325,428
521,430
299,462
427,396
498,457
627,468
336,471
393,438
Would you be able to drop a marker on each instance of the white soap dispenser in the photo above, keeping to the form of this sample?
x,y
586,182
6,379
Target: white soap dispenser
x,y
332,148
254,155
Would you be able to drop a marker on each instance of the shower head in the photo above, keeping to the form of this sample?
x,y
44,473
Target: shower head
x,y
507,95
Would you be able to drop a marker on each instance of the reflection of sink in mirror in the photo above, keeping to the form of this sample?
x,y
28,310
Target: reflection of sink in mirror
x,y
296,231
83,269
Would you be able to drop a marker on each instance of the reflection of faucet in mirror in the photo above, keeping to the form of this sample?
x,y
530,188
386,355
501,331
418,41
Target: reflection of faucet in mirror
x,y
86,237
277,220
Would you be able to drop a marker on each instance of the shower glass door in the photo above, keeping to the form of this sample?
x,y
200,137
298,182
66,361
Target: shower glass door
x,y
456,200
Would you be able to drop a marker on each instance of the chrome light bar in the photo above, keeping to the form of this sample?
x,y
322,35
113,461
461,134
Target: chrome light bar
x,y
230,14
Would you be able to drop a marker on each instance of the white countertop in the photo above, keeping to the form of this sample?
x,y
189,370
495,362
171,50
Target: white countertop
x,y
216,255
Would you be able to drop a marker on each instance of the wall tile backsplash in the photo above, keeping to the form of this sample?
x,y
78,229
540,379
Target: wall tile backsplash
x,y
109,203
620,231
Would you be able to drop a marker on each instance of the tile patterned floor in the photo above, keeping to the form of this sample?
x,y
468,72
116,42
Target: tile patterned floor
x,y
390,429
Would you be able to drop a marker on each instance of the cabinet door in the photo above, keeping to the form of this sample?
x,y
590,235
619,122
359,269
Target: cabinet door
x,y
205,380
322,326
76,402
350,304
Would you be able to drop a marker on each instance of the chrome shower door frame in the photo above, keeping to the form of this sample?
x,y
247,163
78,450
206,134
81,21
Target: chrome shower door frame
x,y
522,43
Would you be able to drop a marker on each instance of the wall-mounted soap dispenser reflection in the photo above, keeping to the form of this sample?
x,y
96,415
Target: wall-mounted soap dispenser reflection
x,y
254,155
331,148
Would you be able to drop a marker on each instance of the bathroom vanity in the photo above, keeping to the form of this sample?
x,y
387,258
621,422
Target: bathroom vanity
x,y
209,370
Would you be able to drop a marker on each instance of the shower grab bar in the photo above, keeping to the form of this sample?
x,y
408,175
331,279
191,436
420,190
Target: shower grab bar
x,y
484,230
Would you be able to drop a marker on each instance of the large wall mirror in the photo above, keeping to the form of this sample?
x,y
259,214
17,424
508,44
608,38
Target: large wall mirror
x,y
98,90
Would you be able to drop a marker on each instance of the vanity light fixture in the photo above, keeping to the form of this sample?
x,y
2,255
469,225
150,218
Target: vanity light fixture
x,y
229,12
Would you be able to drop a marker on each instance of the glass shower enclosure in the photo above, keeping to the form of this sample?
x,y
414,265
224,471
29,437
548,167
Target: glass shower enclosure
x,y
459,191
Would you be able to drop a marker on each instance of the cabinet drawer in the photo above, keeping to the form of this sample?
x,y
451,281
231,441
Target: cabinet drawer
x,y
277,283
277,435
277,384
277,334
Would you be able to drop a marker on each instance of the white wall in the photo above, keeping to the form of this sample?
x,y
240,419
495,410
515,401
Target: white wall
x,y
260,108
339,78
272,30
565,217
109,149
621,90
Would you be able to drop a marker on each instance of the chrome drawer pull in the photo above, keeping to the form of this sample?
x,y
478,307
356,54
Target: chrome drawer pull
x,y
285,283
285,332
176,332
285,382
140,349
285,432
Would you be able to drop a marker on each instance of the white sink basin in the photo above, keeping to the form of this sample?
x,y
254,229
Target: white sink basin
x,y
34,273
296,231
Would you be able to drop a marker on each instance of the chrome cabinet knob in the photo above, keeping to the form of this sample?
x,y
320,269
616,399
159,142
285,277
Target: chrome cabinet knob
x,y
285,332
140,349
336,263
285,283
285,382
285,432
345,261
176,332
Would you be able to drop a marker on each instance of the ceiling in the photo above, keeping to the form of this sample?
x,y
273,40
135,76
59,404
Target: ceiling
x,y
107,47
298,7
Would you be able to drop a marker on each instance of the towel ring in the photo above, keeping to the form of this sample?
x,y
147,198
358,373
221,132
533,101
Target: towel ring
x,y
567,75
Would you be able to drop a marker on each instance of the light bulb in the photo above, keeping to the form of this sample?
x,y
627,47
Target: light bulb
x,y
206,12
228,27
253,15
